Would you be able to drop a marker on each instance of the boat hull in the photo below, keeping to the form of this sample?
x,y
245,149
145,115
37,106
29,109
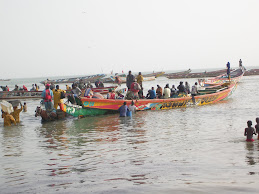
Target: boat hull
x,y
5,95
92,107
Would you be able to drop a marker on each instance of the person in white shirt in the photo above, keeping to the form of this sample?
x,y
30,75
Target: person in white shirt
x,y
132,107
167,91
194,92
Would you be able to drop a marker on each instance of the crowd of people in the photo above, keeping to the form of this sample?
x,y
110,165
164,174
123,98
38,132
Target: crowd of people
x,y
35,87
135,89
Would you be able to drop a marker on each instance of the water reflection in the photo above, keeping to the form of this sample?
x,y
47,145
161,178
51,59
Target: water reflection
x,y
250,158
12,149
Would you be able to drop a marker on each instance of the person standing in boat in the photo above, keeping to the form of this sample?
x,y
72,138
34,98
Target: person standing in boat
x,y
240,63
47,96
123,110
194,92
16,113
57,97
140,79
228,70
129,79
249,131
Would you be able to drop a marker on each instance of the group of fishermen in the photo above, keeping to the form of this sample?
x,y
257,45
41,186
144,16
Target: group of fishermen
x,y
135,89
35,87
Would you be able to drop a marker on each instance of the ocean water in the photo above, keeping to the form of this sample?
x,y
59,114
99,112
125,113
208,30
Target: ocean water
x,y
186,150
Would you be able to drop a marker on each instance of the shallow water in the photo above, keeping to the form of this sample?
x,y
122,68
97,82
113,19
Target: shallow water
x,y
186,150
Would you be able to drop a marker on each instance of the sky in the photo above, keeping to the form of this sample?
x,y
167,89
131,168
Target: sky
x,y
40,38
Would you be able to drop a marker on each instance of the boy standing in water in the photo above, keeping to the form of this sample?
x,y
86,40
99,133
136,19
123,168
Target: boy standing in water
x,y
257,125
249,131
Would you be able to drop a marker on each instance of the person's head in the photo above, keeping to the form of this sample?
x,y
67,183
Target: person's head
x,y
167,85
132,103
110,90
24,103
124,103
257,119
173,86
57,87
139,73
158,86
181,83
152,88
47,86
249,123
129,72
196,83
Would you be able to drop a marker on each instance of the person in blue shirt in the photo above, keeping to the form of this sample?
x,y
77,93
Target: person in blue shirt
x,y
123,110
151,94
228,70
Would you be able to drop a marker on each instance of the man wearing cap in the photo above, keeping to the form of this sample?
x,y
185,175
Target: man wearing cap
x,y
47,96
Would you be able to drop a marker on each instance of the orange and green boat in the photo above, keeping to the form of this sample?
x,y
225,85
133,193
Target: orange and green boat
x,y
93,106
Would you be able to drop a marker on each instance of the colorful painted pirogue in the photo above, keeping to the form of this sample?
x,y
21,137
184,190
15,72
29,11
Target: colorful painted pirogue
x,y
235,76
91,107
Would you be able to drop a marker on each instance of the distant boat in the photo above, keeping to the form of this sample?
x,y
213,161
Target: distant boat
x,y
20,94
5,79
177,75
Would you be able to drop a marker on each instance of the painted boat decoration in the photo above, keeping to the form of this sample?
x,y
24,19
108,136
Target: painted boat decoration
x,y
92,106
5,95
235,76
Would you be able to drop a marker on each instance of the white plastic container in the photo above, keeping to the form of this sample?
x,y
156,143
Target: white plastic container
x,y
6,106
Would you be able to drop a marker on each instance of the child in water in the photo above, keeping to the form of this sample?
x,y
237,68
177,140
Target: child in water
x,y
249,131
257,126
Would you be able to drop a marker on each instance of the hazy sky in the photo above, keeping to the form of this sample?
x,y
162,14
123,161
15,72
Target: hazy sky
x,y
77,37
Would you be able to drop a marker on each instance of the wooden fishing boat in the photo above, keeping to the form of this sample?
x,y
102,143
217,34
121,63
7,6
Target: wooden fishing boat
x,y
89,78
178,75
235,76
157,74
5,95
206,74
92,107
